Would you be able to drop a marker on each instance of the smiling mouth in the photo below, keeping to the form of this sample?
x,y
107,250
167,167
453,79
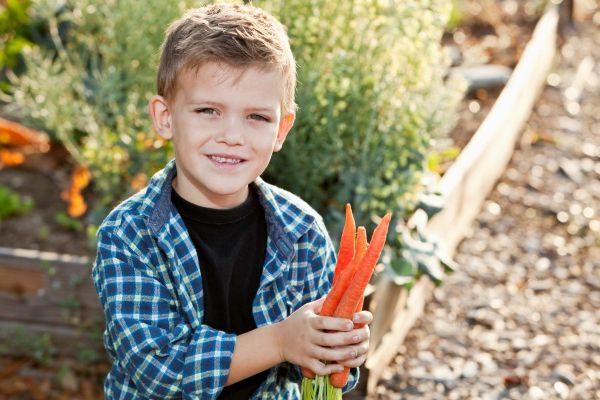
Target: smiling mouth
x,y
225,160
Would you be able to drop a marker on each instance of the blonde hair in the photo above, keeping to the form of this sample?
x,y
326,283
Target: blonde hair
x,y
237,35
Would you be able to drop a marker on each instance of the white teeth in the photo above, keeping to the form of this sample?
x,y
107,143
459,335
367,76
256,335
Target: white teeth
x,y
226,160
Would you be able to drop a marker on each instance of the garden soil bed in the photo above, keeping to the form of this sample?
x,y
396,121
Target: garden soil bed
x,y
42,178
519,319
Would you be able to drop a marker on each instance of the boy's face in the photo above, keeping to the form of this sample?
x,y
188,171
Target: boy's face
x,y
225,124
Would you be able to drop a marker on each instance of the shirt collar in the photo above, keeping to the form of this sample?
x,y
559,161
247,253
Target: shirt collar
x,y
158,208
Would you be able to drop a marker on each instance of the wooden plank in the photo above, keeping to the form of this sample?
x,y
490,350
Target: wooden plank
x,y
19,282
469,180
47,289
388,300
403,320
28,274
467,183
17,339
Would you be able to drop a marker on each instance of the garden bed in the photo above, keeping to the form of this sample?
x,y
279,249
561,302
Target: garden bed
x,y
463,188
519,319
54,169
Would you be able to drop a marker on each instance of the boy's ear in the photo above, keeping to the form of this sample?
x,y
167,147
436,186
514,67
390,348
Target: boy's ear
x,y
286,123
158,107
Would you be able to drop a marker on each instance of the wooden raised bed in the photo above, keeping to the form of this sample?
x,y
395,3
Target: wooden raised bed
x,y
464,188
44,293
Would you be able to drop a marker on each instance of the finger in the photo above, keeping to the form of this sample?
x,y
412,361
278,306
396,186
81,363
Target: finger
x,y
363,317
322,369
333,354
363,333
337,339
317,305
352,352
354,362
332,324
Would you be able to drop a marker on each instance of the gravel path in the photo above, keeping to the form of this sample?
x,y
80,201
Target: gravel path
x,y
520,319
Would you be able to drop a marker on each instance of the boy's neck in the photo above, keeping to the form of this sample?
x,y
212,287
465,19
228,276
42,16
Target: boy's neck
x,y
221,203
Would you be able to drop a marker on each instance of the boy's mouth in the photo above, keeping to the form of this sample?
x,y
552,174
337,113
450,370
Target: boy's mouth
x,y
223,159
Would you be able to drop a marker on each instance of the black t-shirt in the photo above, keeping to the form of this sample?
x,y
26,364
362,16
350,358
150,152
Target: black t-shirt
x,y
231,246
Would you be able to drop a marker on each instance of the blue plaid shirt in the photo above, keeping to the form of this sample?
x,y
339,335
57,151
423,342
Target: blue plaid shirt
x,y
148,280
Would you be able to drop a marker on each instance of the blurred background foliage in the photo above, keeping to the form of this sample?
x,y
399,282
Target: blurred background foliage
x,y
373,93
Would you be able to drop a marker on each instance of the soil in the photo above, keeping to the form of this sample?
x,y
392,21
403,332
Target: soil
x,y
519,319
495,33
42,178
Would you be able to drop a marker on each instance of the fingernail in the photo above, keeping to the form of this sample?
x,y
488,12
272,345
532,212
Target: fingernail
x,y
349,325
352,354
355,318
355,338
339,369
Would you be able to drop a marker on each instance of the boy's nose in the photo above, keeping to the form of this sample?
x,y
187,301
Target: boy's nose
x,y
231,133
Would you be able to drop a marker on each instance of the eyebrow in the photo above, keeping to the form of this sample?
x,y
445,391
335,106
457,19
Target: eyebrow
x,y
197,102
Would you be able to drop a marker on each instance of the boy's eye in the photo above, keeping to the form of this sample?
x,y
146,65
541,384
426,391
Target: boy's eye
x,y
259,117
209,111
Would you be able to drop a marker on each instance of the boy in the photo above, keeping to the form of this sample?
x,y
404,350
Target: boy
x,y
211,280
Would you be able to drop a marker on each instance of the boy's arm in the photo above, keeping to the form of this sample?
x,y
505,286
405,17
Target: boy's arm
x,y
167,358
154,344
301,339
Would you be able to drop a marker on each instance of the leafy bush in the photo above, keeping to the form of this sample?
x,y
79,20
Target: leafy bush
x,y
90,89
13,204
18,30
372,94
14,31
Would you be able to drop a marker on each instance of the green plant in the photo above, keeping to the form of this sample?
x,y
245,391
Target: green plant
x,y
455,17
14,34
14,22
89,90
19,340
19,30
13,204
372,94
67,222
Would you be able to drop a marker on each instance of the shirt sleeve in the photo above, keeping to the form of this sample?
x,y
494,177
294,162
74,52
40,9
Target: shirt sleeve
x,y
320,280
165,356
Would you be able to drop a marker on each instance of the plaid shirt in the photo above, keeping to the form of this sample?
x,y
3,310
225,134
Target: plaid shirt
x,y
148,280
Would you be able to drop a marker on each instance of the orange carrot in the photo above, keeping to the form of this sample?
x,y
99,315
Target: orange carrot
x,y
345,257
355,291
346,251
361,248
339,288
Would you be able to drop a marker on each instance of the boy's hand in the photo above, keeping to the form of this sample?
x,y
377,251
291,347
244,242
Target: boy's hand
x,y
359,350
302,339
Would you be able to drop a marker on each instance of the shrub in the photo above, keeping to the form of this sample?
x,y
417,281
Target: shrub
x,y
372,94
14,34
13,204
90,89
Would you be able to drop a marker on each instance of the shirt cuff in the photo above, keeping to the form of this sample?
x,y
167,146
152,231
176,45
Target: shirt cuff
x,y
207,364
352,380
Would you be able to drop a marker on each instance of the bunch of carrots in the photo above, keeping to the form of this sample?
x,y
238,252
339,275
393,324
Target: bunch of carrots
x,y
355,264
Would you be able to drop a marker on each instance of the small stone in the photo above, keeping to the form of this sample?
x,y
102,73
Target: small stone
x,y
562,389
470,369
536,393
572,170
563,374
442,372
